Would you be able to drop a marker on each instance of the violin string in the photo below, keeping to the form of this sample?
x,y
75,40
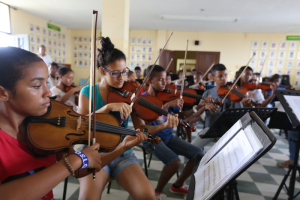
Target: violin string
x,y
187,94
149,105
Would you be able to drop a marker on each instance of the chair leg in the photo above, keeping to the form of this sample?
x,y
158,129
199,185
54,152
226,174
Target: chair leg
x,y
149,160
177,174
145,161
108,187
65,189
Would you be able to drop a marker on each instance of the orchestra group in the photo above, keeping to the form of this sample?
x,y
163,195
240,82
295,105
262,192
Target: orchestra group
x,y
27,82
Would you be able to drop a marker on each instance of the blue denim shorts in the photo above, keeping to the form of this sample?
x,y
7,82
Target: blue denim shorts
x,y
115,167
168,150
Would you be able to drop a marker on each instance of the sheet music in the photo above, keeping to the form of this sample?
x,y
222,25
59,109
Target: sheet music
x,y
221,142
294,103
232,158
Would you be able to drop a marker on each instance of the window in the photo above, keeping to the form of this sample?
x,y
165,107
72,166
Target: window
x,y
5,18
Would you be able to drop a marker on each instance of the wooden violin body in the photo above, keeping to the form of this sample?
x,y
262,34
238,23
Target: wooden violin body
x,y
61,127
189,96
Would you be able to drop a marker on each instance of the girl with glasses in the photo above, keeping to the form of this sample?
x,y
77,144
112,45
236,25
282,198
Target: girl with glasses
x,y
111,64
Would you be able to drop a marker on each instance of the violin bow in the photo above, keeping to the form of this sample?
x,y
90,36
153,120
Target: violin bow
x,y
169,64
208,70
184,69
231,88
262,68
93,82
146,78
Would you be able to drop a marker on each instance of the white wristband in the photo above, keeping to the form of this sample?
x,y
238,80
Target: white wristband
x,y
194,109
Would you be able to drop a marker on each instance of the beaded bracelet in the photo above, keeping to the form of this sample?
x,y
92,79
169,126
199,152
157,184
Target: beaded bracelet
x,y
70,168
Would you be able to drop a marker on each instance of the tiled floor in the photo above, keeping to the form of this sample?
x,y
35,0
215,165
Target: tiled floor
x,y
259,182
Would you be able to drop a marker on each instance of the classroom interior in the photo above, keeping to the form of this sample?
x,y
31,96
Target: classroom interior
x,y
228,32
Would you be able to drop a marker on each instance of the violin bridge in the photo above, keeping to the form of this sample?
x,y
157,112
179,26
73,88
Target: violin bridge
x,y
132,96
78,123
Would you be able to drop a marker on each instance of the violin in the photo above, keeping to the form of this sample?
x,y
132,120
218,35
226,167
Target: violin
x,y
265,86
135,83
61,127
236,94
146,107
171,86
68,88
189,96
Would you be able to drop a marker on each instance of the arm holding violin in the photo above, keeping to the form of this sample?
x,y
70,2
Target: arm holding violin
x,y
39,184
67,96
138,123
269,99
123,108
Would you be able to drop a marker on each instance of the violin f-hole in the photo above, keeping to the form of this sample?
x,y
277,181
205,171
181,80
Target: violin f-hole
x,y
75,134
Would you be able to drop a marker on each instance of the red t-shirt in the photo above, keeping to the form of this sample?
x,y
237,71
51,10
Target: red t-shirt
x,y
16,161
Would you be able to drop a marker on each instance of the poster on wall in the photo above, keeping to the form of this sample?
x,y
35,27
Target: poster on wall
x,y
273,45
282,45
64,54
49,33
80,55
132,49
132,40
32,48
138,41
38,31
149,58
85,63
54,44
31,28
292,45
279,71
254,45
262,55
132,65
298,57
271,64
38,40
296,83
253,53
272,55
85,48
150,50
50,51
80,47
150,41
144,41
291,55
59,45
63,37
289,64
54,52
44,32
144,49
80,39
138,49
75,48
132,57
44,41
138,57
263,45
143,65
279,64
75,40
54,34
85,40
144,57
297,74
281,55
252,63
80,63
261,63
288,72
138,64
59,36
298,64
85,56
31,39
270,72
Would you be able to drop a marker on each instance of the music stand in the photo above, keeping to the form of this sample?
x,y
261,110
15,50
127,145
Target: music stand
x,y
267,140
230,116
294,122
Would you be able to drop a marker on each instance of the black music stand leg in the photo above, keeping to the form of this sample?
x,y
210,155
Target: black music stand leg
x,y
292,170
65,188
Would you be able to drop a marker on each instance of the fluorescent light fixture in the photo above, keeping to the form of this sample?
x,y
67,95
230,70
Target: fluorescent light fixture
x,y
4,18
198,18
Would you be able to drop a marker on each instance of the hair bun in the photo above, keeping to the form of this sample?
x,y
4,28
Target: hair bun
x,y
106,44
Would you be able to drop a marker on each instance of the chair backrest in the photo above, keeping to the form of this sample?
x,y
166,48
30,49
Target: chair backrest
x,y
264,79
82,81
174,77
286,80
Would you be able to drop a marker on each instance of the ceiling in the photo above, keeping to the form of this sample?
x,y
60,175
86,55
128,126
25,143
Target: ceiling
x,y
279,16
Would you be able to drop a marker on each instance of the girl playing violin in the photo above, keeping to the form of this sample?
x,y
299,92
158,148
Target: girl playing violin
x,y
171,146
256,95
24,93
111,63
66,76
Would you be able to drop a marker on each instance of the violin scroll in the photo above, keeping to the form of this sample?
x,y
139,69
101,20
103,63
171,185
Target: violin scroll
x,y
150,139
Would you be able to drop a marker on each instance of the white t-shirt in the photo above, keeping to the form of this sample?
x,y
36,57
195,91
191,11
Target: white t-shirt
x,y
47,59
70,102
51,82
256,96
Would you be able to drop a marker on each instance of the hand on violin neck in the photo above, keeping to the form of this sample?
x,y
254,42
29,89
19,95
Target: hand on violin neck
x,y
131,141
210,107
172,121
177,102
246,102
123,108
77,89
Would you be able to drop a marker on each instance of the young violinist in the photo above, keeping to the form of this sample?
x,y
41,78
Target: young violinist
x,y
66,76
111,63
198,81
24,93
219,74
171,146
138,72
52,80
256,95
275,79
130,76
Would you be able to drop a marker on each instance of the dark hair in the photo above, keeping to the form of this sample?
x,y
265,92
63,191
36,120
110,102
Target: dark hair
x,y
137,68
168,74
156,69
64,70
243,67
13,61
108,54
54,64
217,67
199,73
275,76
194,70
130,73
180,71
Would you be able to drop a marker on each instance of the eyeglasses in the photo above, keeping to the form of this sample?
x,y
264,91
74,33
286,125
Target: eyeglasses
x,y
117,74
